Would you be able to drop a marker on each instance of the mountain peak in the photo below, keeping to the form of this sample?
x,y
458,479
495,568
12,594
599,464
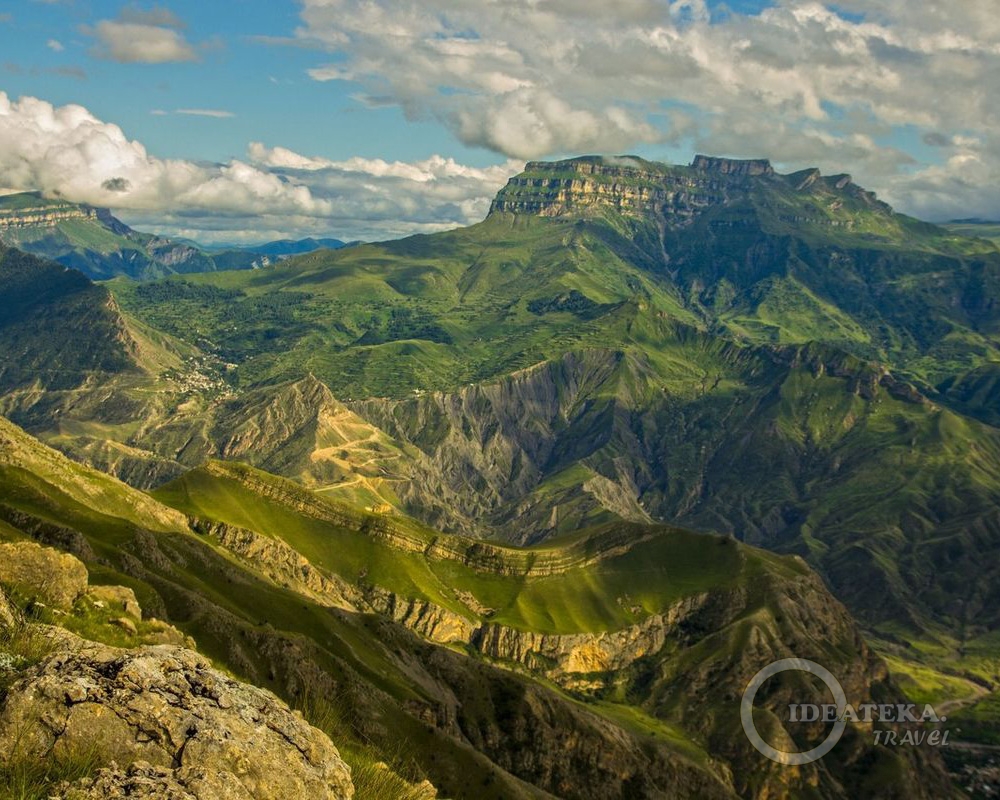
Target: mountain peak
x,y
631,186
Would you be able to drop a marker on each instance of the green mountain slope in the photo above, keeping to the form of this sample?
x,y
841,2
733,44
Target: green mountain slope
x,y
656,399
789,258
717,345
421,313
387,620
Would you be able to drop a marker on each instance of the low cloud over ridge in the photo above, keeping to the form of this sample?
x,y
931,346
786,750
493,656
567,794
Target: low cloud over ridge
x,y
66,151
808,83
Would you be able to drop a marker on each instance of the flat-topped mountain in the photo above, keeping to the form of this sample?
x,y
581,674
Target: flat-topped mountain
x,y
676,194
29,210
733,166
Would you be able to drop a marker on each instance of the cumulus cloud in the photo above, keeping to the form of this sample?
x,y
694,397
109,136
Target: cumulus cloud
x,y
396,197
801,81
68,152
141,36
55,45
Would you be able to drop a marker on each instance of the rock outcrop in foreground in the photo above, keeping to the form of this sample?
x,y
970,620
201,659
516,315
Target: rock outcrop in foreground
x,y
164,717
155,721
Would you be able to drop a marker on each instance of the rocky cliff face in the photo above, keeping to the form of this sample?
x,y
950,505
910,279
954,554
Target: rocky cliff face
x,y
586,662
280,563
748,168
512,434
44,216
670,196
627,185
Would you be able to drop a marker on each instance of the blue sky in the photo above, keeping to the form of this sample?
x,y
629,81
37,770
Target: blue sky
x,y
379,118
265,86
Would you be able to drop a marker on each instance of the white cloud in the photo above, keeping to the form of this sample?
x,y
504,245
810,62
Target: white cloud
x,y
55,45
801,81
157,16
394,198
141,37
66,151
205,112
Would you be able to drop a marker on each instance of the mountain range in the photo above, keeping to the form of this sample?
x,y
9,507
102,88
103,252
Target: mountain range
x,y
488,448
97,244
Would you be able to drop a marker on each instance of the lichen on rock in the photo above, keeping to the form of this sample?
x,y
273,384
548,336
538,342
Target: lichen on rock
x,y
171,721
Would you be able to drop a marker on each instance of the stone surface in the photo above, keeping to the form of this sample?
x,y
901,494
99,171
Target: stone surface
x,y
57,579
119,598
126,625
6,611
200,734
159,632
141,780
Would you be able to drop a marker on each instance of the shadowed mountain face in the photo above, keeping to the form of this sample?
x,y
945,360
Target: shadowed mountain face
x,y
56,327
780,357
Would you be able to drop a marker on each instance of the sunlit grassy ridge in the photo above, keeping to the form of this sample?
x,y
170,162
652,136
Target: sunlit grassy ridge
x,y
588,582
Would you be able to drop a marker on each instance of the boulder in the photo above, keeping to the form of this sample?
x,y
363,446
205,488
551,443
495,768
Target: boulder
x,y
120,598
126,625
56,578
159,632
180,728
142,781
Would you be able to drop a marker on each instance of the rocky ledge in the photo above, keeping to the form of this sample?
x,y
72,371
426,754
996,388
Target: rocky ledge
x,y
153,721
744,168
46,217
172,720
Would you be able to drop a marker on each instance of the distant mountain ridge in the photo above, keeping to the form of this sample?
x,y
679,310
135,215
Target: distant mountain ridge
x,y
101,246
293,247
